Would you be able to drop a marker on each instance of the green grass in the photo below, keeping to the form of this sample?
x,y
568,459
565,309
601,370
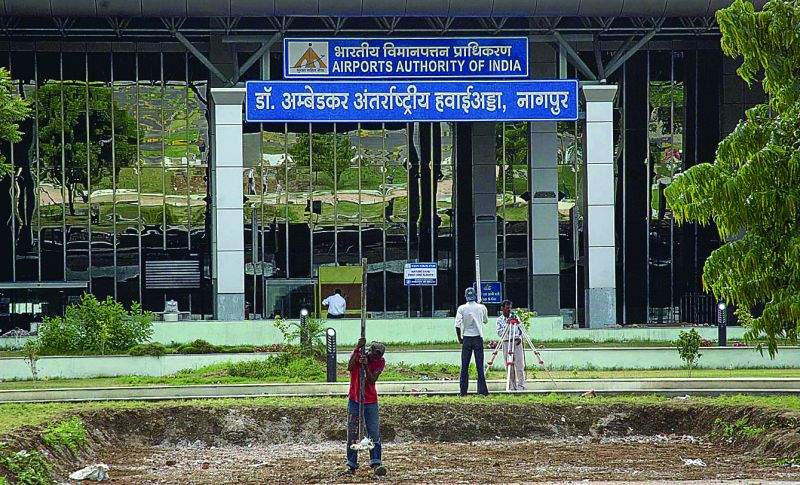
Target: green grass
x,y
14,416
411,346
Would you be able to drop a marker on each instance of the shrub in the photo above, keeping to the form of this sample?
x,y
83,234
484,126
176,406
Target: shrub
x,y
198,346
152,349
689,348
308,332
28,467
70,434
95,327
31,351
285,367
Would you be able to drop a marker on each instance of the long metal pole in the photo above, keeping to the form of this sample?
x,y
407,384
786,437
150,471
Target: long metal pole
x,y
478,278
363,370
363,297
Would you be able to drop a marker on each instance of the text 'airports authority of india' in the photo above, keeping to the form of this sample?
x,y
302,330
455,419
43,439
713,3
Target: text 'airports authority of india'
x,y
352,58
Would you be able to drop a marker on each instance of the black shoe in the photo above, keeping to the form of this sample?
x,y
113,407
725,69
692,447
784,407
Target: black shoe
x,y
349,471
379,470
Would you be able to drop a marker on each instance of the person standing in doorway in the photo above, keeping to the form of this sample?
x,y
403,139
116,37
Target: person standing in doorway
x,y
336,304
373,363
511,339
470,319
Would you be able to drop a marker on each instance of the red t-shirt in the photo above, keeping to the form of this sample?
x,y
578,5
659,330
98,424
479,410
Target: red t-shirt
x,y
370,393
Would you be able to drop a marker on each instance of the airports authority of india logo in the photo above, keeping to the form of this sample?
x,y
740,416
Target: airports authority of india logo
x,y
308,58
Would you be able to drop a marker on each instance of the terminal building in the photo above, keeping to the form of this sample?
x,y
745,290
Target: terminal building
x,y
136,180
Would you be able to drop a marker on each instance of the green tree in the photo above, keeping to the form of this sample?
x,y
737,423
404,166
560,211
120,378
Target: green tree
x,y
688,346
13,110
322,145
752,190
102,108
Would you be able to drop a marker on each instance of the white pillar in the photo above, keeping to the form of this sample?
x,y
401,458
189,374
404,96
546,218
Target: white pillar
x,y
601,293
227,241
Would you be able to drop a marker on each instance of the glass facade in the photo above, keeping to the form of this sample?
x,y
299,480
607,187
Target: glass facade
x,y
327,195
112,174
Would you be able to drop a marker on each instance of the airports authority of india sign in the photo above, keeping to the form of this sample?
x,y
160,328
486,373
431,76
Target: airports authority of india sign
x,y
411,58
407,101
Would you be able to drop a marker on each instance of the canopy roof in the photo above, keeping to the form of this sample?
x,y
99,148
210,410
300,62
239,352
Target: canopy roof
x,y
363,8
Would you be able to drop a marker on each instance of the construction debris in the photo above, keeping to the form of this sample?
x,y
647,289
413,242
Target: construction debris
x,y
693,462
96,473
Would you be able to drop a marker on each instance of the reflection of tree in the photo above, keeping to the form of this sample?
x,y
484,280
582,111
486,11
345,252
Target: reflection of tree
x,y
322,145
13,110
516,154
48,100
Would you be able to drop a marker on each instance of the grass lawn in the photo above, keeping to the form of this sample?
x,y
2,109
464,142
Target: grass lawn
x,y
13,416
261,372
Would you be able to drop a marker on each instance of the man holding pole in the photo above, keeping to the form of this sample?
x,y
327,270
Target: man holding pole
x,y
513,352
362,408
470,318
372,363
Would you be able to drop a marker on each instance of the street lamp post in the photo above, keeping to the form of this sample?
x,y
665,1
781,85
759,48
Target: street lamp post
x,y
304,337
330,347
722,324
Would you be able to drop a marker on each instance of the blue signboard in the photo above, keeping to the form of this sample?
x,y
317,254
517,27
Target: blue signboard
x,y
387,58
492,292
420,274
406,101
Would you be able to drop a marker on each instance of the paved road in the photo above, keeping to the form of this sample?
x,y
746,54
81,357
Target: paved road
x,y
665,386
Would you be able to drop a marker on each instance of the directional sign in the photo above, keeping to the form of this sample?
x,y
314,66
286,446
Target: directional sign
x,y
407,101
420,274
491,292
394,58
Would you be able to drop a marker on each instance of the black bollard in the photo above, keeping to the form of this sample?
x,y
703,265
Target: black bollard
x,y
722,324
330,346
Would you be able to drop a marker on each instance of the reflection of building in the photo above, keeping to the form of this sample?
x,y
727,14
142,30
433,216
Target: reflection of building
x,y
408,192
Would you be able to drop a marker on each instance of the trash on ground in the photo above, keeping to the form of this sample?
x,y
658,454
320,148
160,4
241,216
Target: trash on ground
x,y
97,473
693,462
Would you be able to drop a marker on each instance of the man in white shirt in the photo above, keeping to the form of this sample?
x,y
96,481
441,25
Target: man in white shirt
x,y
336,304
470,318
511,339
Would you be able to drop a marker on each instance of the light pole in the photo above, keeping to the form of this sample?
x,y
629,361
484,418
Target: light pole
x,y
330,347
722,324
304,338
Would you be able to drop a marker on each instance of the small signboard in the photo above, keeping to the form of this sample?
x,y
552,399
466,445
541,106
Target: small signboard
x,y
420,274
492,292
411,58
406,101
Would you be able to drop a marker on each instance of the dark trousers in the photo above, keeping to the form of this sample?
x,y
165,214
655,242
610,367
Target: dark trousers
x,y
333,317
373,430
472,345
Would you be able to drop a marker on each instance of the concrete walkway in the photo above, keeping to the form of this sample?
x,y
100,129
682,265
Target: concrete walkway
x,y
665,386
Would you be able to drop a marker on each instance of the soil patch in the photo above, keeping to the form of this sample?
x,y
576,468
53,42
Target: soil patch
x,y
469,443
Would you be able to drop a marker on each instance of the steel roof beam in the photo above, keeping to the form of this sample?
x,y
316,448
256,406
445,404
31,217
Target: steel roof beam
x,y
574,57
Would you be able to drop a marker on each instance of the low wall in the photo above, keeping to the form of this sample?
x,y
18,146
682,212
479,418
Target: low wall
x,y
412,330
556,359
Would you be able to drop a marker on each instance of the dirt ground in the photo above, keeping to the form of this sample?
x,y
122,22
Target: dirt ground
x,y
495,461
466,442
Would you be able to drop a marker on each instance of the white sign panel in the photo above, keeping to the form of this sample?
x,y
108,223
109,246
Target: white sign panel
x,y
420,274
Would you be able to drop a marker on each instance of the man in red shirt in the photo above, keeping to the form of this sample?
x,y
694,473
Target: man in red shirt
x,y
374,366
